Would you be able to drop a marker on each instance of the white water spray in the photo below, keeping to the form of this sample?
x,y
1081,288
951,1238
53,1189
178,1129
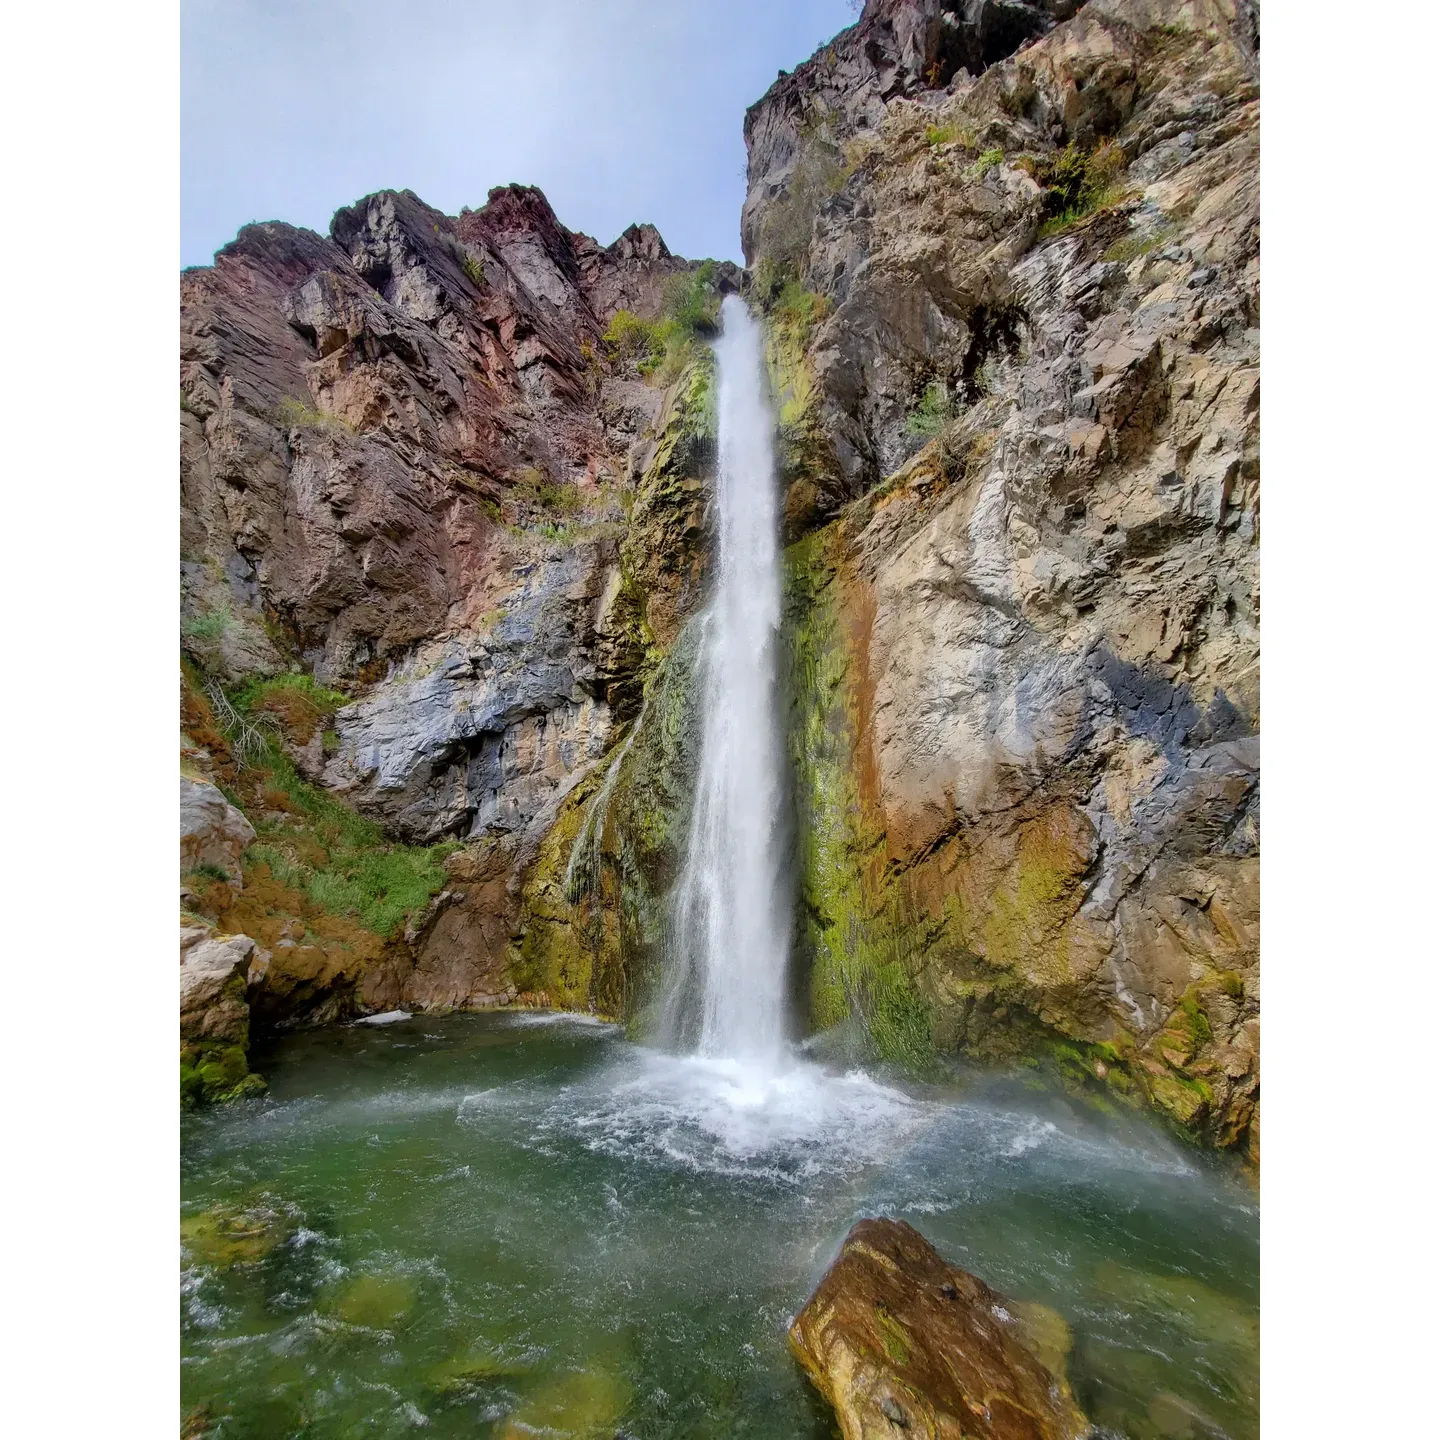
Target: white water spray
x,y
731,927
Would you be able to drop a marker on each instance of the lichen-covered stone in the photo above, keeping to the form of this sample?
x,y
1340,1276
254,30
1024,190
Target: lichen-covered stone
x,y
899,1342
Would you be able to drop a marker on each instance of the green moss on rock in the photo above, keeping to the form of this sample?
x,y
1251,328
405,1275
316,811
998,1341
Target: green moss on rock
x,y
593,912
853,936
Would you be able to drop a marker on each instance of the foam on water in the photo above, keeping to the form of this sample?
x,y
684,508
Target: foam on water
x,y
523,1019
547,1187
725,1116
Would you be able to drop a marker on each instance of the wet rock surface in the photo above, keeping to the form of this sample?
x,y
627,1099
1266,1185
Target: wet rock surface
x,y
900,1343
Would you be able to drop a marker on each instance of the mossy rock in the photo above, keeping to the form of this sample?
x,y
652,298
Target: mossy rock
x,y
479,1367
215,1074
227,1235
853,941
583,1405
377,1302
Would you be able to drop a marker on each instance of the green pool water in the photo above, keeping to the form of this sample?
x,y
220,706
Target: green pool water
x,y
511,1225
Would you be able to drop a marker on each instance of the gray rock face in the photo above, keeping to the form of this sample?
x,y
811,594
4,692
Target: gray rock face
x,y
480,733
212,991
1055,588
212,831
897,48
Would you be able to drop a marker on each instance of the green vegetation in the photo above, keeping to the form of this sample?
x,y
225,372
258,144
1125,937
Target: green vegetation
x,y
1133,246
932,413
207,871
212,1073
474,267
689,315
987,161
207,625
341,860
295,699
312,842
534,489
631,338
798,308
244,732
820,172
1076,182
855,938
293,414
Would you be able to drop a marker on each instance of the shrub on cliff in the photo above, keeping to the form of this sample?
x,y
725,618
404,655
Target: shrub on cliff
x,y
1076,182
689,315
820,171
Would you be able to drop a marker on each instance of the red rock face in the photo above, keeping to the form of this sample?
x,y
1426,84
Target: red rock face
x,y
354,410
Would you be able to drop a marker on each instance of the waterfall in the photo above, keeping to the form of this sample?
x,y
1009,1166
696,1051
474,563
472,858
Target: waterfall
x,y
730,925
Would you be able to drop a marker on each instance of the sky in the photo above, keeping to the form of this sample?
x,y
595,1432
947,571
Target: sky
x,y
620,110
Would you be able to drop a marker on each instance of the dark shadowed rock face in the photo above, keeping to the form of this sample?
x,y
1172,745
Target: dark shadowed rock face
x,y
896,48
902,1344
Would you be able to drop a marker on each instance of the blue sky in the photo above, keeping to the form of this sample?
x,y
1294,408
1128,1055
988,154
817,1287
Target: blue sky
x,y
620,110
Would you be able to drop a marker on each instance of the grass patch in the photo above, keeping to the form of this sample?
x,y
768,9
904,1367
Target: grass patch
x,y
293,414
932,413
207,625
300,705
987,161
474,267
341,860
535,490
1076,182
689,316
309,841
206,873
1131,247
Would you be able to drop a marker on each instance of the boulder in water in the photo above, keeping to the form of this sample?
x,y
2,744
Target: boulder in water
x,y
902,1344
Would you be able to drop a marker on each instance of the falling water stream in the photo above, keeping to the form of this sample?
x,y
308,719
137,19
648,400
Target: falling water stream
x,y
731,927
523,1224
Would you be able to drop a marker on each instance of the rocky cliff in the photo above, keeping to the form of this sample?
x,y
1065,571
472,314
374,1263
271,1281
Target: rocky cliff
x,y
443,525
440,516
1016,317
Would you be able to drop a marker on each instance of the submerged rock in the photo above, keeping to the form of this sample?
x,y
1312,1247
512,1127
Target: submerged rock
x,y
899,1342
582,1405
227,1235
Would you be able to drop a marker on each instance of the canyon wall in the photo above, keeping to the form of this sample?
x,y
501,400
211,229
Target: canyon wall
x,y
436,532
444,526
1015,311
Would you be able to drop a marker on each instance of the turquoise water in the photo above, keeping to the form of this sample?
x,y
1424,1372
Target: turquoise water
x,y
509,1224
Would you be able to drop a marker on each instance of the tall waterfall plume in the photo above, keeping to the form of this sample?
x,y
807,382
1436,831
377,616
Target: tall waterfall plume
x,y
731,925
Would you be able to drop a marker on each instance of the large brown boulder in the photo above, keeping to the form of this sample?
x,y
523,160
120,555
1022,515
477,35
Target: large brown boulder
x,y
902,1344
